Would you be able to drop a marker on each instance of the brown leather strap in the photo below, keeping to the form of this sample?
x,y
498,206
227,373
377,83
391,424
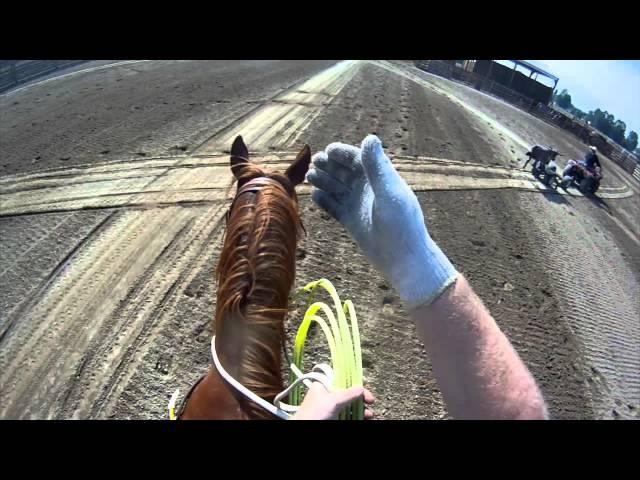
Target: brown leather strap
x,y
183,404
254,185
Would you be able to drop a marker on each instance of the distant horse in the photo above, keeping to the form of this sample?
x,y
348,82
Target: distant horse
x,y
255,275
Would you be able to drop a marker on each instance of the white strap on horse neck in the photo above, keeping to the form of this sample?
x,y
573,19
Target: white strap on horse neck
x,y
325,376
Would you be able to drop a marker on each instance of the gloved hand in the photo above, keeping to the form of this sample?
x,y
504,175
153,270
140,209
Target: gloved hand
x,y
361,189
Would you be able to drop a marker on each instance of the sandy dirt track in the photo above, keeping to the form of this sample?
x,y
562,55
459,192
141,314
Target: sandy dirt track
x,y
113,185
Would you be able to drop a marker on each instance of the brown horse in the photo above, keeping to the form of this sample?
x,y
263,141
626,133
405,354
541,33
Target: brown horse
x,y
255,274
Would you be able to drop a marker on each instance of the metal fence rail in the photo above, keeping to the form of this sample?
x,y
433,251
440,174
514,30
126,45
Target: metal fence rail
x,y
17,72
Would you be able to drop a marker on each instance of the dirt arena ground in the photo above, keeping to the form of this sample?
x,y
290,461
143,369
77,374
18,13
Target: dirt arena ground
x,y
114,180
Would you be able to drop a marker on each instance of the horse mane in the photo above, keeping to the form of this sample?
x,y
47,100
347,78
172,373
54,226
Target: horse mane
x,y
255,274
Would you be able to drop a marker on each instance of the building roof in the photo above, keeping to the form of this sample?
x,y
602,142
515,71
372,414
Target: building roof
x,y
533,68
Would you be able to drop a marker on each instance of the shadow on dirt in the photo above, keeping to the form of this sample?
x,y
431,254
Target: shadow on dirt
x,y
556,198
600,203
593,198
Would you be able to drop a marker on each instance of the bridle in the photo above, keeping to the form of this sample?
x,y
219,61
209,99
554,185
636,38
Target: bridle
x,y
322,373
254,186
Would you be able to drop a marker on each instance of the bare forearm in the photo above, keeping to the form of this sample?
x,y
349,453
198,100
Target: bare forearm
x,y
480,374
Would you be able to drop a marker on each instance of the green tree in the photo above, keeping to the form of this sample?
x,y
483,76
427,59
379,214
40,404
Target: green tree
x,y
563,100
579,113
601,120
617,132
631,142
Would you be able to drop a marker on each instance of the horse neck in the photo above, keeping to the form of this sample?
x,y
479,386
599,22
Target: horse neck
x,y
255,275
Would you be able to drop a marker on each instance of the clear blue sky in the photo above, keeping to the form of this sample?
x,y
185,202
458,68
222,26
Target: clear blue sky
x,y
612,85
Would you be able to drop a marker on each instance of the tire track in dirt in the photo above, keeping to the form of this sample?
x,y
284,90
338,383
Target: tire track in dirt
x,y
192,179
488,241
278,124
121,350
155,185
57,333
32,246
31,234
113,343
30,298
117,326
368,104
600,299
174,352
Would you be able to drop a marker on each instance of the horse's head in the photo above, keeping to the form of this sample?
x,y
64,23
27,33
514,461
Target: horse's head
x,y
262,222
245,171
265,194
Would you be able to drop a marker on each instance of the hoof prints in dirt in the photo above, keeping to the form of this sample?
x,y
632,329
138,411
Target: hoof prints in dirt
x,y
410,119
508,273
595,290
129,291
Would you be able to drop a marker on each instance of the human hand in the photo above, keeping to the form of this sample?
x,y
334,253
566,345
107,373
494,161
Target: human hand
x,y
361,189
320,404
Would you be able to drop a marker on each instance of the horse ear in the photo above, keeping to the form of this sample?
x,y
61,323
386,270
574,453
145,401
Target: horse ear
x,y
298,169
239,155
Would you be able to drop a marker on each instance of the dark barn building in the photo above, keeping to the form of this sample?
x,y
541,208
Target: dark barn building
x,y
517,81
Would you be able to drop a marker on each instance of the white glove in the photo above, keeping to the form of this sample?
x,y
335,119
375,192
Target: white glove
x,y
361,189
